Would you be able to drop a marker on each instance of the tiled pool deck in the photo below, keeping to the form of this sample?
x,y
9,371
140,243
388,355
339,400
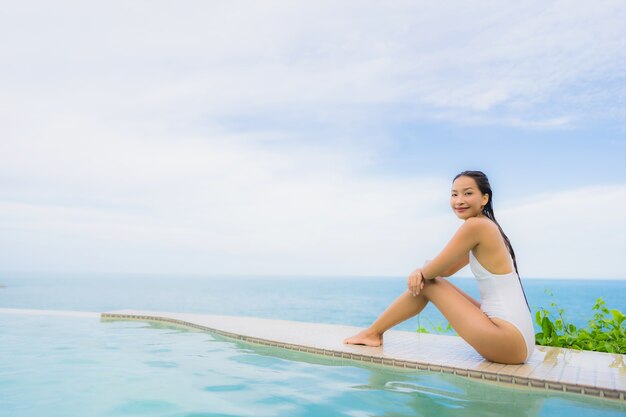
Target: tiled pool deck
x,y
583,372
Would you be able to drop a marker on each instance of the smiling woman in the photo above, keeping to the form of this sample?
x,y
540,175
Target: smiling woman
x,y
500,326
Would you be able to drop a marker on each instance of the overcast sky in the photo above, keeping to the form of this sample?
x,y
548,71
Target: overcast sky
x,y
315,138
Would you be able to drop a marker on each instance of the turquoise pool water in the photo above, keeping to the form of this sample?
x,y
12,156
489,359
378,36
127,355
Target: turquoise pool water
x,y
76,366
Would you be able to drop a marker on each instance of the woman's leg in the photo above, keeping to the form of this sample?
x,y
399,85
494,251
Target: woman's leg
x,y
496,343
466,295
403,308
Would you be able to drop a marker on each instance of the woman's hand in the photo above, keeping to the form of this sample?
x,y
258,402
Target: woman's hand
x,y
416,281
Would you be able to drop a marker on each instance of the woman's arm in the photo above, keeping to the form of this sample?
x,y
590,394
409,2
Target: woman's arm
x,y
468,236
457,266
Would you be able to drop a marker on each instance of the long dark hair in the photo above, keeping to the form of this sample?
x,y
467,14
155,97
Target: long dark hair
x,y
485,188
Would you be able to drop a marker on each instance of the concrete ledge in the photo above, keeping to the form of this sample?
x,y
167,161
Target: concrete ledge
x,y
590,373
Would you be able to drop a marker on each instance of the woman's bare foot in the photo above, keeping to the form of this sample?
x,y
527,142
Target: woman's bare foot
x,y
366,337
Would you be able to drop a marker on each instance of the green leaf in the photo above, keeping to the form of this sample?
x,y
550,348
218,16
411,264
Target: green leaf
x,y
618,316
547,327
559,324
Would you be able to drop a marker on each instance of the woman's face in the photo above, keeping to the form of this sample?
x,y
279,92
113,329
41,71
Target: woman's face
x,y
465,198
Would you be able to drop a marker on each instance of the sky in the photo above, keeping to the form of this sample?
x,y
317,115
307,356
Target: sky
x,y
317,138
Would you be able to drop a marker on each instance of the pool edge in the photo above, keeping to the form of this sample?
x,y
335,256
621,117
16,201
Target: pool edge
x,y
499,376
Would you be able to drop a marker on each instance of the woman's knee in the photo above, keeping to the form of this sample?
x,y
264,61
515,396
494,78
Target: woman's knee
x,y
432,285
436,280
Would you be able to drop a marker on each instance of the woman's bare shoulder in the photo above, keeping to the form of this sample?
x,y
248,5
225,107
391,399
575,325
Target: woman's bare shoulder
x,y
480,222
483,225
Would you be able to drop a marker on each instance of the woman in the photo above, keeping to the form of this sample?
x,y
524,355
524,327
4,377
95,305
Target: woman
x,y
500,328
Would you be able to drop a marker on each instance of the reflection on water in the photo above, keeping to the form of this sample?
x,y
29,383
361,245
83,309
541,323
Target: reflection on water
x,y
553,353
428,393
618,362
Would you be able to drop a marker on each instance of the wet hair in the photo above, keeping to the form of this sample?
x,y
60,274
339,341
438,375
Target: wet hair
x,y
485,188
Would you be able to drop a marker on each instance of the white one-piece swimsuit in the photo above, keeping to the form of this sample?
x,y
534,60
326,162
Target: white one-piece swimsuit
x,y
501,296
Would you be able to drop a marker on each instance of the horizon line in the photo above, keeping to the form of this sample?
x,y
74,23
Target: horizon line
x,y
208,275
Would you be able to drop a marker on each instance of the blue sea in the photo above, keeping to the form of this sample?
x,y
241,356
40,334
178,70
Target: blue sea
x,y
343,300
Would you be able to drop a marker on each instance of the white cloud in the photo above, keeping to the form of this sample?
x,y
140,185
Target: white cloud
x,y
533,63
579,233
244,207
227,205
153,136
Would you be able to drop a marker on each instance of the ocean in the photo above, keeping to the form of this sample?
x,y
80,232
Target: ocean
x,y
340,300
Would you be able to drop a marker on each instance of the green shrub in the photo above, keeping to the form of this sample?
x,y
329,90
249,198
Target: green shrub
x,y
437,329
605,333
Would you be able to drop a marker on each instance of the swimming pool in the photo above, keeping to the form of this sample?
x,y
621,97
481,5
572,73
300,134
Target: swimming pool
x,y
79,366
